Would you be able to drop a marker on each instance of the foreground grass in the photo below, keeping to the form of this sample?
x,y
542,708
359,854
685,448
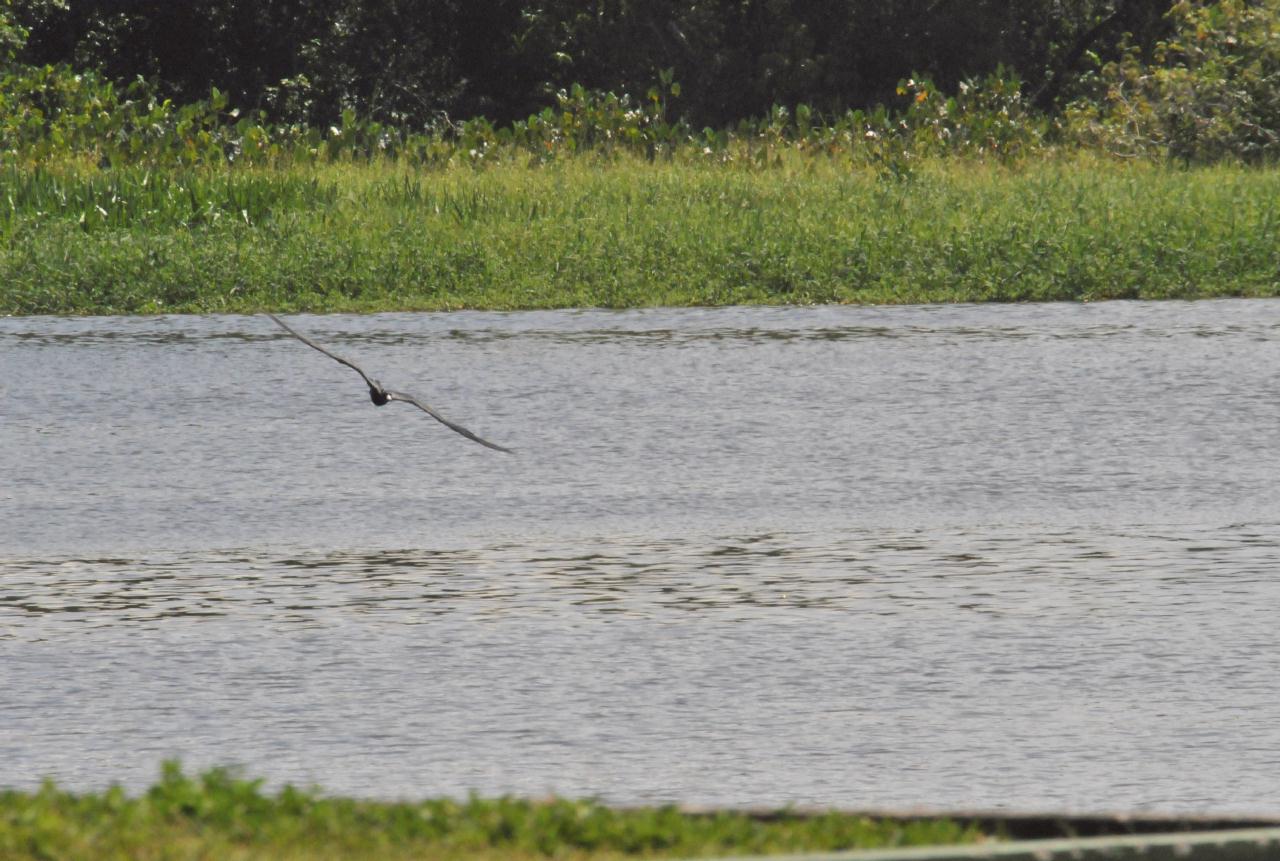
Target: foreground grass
x,y
631,233
217,816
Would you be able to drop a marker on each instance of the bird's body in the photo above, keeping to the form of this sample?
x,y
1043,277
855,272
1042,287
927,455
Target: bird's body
x,y
381,396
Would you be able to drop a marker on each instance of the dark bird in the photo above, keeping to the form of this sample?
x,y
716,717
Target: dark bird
x,y
381,396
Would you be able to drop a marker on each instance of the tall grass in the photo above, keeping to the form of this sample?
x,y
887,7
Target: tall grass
x,y
119,202
217,815
139,197
626,232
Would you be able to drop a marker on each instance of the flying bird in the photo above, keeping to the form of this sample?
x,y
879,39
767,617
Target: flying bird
x,y
381,395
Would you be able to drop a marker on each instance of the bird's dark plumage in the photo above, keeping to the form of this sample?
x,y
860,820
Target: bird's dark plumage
x,y
381,396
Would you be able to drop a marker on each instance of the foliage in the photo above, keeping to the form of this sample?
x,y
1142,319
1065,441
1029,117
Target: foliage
x,y
219,815
136,197
412,64
985,116
14,32
692,229
53,115
114,198
1211,91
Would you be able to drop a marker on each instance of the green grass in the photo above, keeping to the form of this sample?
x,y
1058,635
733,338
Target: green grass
x,y
629,233
218,816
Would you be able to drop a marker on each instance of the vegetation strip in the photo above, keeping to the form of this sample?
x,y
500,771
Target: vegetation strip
x,y
217,815
630,233
1255,844
1153,176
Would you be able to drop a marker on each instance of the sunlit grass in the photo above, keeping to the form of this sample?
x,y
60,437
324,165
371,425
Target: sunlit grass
x,y
218,816
627,233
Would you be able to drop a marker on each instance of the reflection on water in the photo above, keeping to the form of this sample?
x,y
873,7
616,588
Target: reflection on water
x,y
967,556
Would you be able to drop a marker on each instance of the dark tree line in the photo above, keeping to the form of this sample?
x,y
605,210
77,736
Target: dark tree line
x,y
411,62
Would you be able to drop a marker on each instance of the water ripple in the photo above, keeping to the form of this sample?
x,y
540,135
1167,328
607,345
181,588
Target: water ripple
x,y
916,573
848,556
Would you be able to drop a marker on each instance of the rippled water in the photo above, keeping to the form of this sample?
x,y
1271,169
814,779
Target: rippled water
x,y
962,556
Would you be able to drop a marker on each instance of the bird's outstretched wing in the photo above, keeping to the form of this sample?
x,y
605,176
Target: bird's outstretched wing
x,y
372,383
410,399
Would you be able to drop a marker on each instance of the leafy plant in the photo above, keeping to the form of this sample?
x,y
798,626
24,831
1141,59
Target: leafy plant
x,y
1210,92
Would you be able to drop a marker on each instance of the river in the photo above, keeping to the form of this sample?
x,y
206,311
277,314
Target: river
x,y
1020,557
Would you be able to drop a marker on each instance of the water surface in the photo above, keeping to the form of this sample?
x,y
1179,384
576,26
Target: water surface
x,y
957,556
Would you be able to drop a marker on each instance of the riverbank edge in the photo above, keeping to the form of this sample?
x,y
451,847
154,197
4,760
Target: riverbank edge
x,y
218,814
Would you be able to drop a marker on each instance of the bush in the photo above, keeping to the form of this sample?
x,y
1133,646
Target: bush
x,y
1211,92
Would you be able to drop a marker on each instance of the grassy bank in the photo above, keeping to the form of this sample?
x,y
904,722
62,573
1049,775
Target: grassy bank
x,y
218,816
627,233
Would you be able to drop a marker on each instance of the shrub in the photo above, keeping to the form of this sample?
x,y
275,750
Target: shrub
x,y
1210,92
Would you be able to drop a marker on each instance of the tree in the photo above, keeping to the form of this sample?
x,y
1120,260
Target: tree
x,y
1210,91
411,61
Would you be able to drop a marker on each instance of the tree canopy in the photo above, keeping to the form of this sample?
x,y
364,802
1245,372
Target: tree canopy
x,y
412,62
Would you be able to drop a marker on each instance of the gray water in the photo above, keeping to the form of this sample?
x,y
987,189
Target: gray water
x,y
1018,557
